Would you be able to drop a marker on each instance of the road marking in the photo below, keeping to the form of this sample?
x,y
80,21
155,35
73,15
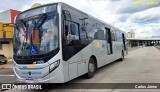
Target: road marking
x,y
6,75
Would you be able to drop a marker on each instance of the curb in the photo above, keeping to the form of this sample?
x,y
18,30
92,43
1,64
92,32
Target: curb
x,y
2,68
5,68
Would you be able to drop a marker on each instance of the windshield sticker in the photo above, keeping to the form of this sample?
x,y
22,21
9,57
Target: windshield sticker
x,y
35,37
34,50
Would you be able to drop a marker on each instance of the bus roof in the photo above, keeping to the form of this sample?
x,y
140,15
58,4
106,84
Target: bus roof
x,y
62,3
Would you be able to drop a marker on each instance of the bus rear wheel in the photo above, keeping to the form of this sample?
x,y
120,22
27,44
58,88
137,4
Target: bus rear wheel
x,y
91,68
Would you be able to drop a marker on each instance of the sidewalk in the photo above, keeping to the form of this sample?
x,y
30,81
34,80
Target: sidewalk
x,y
9,65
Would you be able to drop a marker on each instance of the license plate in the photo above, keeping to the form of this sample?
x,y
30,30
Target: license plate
x,y
29,81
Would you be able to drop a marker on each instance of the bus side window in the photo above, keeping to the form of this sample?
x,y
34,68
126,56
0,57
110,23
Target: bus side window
x,y
113,36
71,32
73,29
65,35
71,43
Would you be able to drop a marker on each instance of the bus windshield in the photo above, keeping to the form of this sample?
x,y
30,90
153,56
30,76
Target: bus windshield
x,y
36,36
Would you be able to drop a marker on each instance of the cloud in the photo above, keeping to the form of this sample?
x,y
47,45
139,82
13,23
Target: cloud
x,y
145,23
123,17
128,6
16,4
138,18
147,16
141,30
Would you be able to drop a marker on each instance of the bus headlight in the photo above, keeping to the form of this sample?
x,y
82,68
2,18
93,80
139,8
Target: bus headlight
x,y
54,65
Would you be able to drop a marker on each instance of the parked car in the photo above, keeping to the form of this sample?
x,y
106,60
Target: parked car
x,y
3,59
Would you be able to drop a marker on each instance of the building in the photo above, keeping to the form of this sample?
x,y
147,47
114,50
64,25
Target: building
x,y
133,42
155,37
8,16
131,34
6,32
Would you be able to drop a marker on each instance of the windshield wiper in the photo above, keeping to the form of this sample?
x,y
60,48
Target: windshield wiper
x,y
39,23
41,20
25,29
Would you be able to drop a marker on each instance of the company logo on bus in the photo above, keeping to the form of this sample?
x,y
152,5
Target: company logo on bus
x,y
31,73
31,66
97,45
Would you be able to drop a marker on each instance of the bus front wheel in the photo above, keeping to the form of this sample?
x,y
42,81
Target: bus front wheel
x,y
91,68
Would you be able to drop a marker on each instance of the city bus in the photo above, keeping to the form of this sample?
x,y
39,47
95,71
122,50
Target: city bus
x,y
55,43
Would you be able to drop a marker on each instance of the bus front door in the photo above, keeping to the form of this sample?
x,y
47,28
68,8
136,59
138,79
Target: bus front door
x,y
109,41
124,44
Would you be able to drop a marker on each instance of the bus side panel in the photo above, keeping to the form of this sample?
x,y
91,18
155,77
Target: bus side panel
x,y
118,49
100,52
90,42
71,51
78,64
82,67
73,65
86,53
73,71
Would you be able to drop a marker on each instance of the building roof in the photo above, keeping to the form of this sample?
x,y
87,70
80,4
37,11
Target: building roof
x,y
143,38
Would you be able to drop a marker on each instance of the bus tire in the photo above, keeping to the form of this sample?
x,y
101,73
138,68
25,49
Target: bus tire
x,y
122,56
91,68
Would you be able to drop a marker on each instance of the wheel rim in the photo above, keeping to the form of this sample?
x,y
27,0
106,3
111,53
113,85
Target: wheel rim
x,y
91,67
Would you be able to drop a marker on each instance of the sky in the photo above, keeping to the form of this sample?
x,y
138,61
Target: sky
x,y
140,16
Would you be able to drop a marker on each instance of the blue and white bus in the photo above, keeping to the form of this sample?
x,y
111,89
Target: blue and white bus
x,y
55,43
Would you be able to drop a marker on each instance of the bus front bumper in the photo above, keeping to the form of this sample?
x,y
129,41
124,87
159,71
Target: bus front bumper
x,y
55,76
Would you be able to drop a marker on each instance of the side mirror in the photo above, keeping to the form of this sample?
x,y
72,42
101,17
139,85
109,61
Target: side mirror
x,y
73,29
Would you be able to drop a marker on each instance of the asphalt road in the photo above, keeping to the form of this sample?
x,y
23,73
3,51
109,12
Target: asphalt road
x,y
140,66
6,72
7,76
